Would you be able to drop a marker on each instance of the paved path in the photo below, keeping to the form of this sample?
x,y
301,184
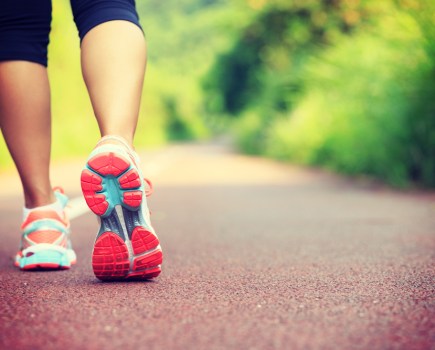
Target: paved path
x,y
258,255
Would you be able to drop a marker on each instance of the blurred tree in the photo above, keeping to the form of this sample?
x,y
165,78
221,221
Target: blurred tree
x,y
348,84
269,53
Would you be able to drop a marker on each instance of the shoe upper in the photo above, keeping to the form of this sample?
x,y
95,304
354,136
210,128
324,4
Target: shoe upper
x,y
46,226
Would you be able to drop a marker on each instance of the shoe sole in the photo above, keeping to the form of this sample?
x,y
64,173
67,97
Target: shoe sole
x,y
46,257
126,245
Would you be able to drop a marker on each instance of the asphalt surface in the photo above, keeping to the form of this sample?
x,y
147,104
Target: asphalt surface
x,y
258,255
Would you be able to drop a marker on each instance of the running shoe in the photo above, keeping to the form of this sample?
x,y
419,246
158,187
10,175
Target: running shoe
x,y
45,241
126,245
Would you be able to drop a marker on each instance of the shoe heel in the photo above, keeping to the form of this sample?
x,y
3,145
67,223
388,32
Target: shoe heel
x,y
45,260
107,180
110,258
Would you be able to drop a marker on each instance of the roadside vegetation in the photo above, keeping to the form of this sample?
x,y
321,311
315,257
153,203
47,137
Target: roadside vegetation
x,y
349,85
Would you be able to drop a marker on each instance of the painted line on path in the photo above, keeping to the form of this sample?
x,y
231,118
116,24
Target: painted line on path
x,y
77,207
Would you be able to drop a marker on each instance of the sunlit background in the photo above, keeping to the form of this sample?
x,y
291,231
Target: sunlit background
x,y
344,84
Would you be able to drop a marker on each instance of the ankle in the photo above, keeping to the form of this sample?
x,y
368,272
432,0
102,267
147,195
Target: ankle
x,y
34,200
122,142
117,140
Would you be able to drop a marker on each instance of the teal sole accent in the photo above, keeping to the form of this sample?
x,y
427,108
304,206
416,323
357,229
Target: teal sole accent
x,y
47,257
113,192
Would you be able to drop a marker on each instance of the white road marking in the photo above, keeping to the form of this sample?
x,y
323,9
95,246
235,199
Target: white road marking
x,y
77,207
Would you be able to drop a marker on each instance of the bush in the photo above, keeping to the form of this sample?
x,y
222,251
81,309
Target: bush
x,y
346,85
369,107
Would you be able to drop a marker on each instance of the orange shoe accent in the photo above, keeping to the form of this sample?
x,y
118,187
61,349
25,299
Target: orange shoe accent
x,y
44,214
150,190
45,236
58,189
45,266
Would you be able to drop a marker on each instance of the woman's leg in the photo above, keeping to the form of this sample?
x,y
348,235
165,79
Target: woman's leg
x,y
25,122
25,94
26,126
113,64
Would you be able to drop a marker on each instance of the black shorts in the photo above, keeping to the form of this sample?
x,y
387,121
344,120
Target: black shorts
x,y
25,24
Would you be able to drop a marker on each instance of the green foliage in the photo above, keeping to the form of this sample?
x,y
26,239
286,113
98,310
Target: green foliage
x,y
264,64
359,109
372,114
183,38
357,98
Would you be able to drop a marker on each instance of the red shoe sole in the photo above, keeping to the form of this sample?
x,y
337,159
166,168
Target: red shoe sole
x,y
112,259
110,165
